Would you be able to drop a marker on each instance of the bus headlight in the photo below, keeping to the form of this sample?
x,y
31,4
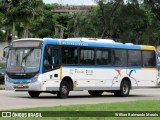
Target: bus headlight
x,y
36,77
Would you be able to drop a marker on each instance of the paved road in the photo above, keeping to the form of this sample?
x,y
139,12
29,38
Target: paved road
x,y
15,100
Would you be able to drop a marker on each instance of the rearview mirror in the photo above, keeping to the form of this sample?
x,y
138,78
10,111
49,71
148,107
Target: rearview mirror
x,y
5,51
4,54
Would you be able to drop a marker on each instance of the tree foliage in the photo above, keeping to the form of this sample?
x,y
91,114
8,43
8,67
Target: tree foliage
x,y
22,12
136,21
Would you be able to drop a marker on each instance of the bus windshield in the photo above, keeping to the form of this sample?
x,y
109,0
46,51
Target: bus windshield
x,y
23,60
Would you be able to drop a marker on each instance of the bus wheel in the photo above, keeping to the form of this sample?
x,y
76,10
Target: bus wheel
x,y
34,94
95,93
124,89
64,90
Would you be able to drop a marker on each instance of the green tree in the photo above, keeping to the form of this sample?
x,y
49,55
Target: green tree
x,y
27,11
132,22
22,12
7,10
107,9
45,27
155,7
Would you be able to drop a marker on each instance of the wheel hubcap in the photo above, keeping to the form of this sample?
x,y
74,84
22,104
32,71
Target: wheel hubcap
x,y
64,89
125,89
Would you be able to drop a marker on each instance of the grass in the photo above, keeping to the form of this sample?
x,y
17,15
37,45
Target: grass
x,y
145,105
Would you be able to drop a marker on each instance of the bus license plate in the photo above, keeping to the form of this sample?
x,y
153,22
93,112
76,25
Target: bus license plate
x,y
20,86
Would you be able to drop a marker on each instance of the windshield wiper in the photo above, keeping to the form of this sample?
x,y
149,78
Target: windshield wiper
x,y
25,57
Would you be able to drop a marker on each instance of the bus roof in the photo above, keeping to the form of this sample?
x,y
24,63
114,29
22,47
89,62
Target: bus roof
x,y
90,42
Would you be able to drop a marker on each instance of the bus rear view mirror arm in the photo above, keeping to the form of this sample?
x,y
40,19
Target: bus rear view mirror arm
x,y
5,53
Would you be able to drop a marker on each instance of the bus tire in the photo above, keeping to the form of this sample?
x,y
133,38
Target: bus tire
x,y
124,89
95,93
34,94
64,90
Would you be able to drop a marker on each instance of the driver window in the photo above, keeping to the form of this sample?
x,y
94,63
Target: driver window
x,y
47,56
51,58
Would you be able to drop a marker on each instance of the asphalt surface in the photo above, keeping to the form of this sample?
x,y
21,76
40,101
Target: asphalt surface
x,y
15,100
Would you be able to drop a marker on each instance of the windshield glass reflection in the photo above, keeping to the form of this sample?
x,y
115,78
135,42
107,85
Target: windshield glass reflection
x,y
24,60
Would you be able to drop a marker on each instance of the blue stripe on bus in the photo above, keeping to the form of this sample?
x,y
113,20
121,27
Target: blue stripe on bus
x,y
102,67
96,44
90,44
49,41
20,80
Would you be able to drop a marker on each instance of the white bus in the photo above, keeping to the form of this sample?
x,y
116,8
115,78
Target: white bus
x,y
59,66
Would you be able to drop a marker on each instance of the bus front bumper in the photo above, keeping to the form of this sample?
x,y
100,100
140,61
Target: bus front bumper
x,y
33,86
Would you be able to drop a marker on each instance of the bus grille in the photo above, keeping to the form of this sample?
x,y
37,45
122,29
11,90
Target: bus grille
x,y
20,76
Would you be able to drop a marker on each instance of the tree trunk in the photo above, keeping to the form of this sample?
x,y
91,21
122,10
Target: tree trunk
x,y
25,31
103,33
56,31
101,5
7,33
75,33
13,32
61,33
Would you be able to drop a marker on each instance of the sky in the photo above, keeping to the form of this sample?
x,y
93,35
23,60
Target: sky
x,y
71,2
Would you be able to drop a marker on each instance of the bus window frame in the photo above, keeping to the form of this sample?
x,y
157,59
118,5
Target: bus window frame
x,y
139,66
109,49
126,64
89,48
56,66
62,56
154,56
79,48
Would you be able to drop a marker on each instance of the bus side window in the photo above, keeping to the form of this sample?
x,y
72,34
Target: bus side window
x,y
149,59
103,57
87,57
119,57
54,57
69,55
47,59
134,58
51,58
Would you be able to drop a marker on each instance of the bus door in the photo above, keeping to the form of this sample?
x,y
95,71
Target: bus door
x,y
51,67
